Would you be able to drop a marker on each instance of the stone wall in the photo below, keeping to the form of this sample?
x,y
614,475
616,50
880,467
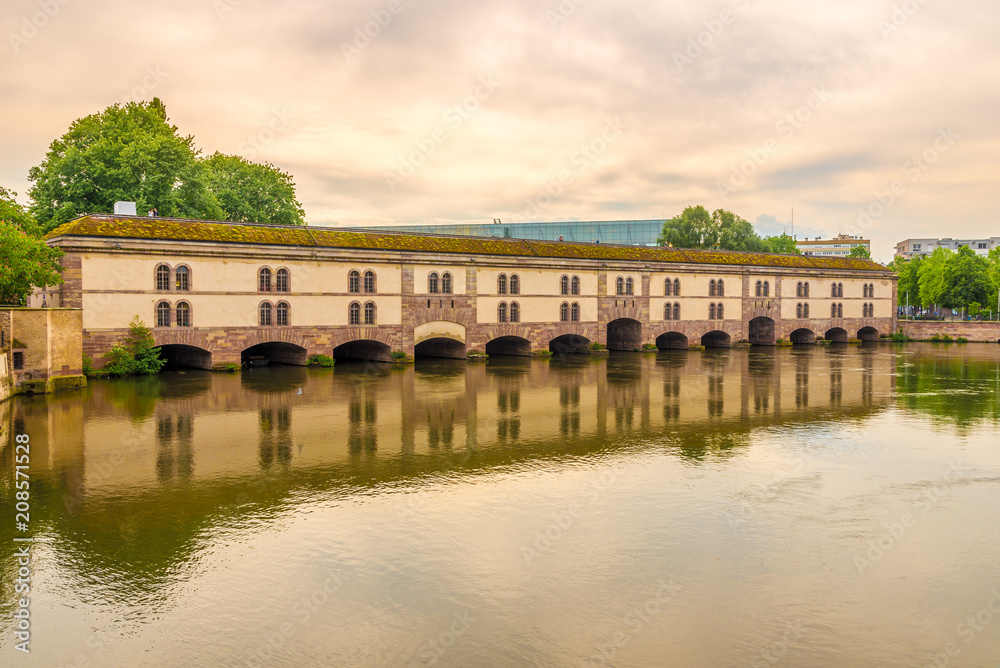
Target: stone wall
x,y
6,377
51,342
973,331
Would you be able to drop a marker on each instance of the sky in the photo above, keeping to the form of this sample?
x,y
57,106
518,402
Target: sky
x,y
876,118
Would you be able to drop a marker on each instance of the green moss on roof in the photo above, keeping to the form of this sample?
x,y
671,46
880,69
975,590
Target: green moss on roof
x,y
173,229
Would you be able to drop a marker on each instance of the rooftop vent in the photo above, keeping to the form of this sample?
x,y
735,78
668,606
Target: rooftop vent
x,y
124,208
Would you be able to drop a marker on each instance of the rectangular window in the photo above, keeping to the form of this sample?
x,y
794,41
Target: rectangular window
x,y
18,361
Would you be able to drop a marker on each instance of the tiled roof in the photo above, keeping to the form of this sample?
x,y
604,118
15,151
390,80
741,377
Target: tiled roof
x,y
176,229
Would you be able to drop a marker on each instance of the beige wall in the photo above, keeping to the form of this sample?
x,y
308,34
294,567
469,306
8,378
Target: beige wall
x,y
422,271
537,281
536,309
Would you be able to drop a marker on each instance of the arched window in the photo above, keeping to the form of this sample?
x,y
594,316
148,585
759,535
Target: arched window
x,y
502,312
574,312
840,310
183,314
805,309
281,280
629,286
711,311
564,312
446,283
515,312
575,286
354,282
677,311
564,285
281,314
182,279
798,310
502,284
760,289
833,290
677,287
833,310
354,314
163,314
265,315
515,284
720,288
718,311
619,286
667,311
711,288
871,291
264,280
163,277
840,289
432,283
767,288
668,287
798,289
864,291
805,289
369,282
370,313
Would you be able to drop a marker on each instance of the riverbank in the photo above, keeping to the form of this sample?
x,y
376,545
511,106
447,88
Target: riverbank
x,y
925,330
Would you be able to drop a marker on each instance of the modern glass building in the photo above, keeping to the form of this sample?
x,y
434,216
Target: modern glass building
x,y
630,232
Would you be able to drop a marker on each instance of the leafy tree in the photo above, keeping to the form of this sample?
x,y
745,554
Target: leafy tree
x,y
25,262
966,279
909,283
12,212
695,227
782,243
931,277
860,252
250,192
127,153
135,354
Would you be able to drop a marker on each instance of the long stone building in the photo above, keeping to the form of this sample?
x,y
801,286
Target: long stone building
x,y
220,293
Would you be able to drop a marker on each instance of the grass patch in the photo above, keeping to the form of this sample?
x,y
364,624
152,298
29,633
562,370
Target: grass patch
x,y
324,361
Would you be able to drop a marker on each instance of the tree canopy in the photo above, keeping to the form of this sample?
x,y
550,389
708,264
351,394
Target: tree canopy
x,y
250,192
782,243
860,252
132,153
695,227
26,261
950,279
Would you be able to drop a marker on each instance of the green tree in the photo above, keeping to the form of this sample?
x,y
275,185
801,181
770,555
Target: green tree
x,y
135,354
26,262
909,283
695,227
967,279
860,252
124,153
14,213
931,277
782,243
250,192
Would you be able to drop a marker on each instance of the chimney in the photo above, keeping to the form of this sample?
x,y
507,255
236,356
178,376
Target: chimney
x,y
124,208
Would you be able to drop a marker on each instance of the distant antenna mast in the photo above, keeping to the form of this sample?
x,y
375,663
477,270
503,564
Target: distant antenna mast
x,y
793,222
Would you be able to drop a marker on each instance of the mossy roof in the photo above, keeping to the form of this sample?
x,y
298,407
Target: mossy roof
x,y
175,229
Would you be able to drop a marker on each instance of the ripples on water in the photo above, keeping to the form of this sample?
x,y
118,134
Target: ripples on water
x,y
831,506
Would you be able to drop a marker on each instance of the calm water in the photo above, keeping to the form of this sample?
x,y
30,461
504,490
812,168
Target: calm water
x,y
817,507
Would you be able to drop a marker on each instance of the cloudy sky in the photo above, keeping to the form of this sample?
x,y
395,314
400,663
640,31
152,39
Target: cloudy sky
x,y
878,117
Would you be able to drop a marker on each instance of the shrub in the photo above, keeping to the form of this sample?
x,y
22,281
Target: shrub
x,y
229,366
597,346
649,346
900,337
321,360
136,354
946,338
961,339
88,365
936,338
398,355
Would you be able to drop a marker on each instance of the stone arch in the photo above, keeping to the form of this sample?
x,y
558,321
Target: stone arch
x,y
716,339
273,352
762,331
513,346
868,334
440,346
672,341
570,344
803,336
837,335
363,349
624,334
439,329
186,355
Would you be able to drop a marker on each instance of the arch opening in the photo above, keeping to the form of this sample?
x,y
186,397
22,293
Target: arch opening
x,y
570,344
837,335
716,339
440,347
624,334
672,341
868,334
365,349
802,336
511,346
273,352
179,355
761,331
